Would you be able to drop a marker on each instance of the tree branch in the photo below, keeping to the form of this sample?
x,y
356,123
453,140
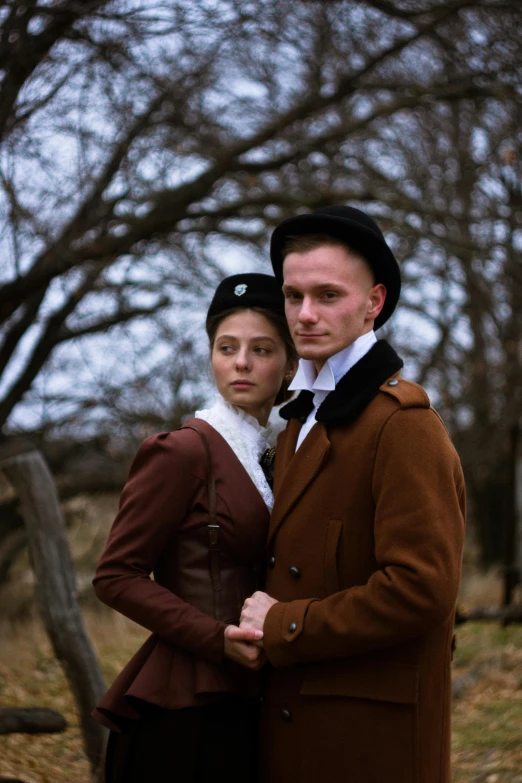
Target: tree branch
x,y
45,344
23,52
104,324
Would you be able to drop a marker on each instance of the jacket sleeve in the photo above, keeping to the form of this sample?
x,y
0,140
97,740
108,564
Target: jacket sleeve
x,y
156,498
418,491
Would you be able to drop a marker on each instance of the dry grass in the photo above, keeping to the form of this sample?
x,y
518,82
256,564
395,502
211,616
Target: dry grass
x,y
487,721
30,676
88,521
487,725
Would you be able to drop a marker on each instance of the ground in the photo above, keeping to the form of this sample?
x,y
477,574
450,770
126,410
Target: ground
x,y
487,722
487,719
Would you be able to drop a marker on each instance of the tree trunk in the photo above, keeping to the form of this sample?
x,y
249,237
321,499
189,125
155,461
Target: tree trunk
x,y
511,573
518,508
491,512
56,591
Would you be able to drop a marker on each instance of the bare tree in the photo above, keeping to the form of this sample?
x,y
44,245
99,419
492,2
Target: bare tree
x,y
177,121
454,205
142,140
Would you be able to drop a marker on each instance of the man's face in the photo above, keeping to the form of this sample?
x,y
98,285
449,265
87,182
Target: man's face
x,y
330,300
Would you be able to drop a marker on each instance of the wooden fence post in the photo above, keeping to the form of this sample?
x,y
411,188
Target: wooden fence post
x,y
56,594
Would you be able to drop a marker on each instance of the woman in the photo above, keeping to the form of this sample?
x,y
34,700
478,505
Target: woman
x,y
195,513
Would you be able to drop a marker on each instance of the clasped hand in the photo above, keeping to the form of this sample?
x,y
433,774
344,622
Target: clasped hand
x,y
244,644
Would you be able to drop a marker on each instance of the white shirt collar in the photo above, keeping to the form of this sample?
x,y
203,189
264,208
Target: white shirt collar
x,y
333,369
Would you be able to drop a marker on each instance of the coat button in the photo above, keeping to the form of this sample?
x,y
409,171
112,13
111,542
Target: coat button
x,y
271,561
292,628
393,382
286,715
295,572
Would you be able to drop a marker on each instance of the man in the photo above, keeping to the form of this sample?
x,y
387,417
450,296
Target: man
x,y
366,535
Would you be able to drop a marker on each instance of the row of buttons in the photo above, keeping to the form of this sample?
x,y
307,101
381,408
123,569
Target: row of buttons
x,y
286,715
294,571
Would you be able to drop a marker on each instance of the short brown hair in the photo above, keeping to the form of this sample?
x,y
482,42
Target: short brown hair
x,y
304,243
276,319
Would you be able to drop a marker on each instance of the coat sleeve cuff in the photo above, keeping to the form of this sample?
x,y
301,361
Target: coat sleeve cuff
x,y
283,626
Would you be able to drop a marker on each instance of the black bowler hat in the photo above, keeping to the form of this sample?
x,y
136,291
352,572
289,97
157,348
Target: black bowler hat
x,y
356,229
248,290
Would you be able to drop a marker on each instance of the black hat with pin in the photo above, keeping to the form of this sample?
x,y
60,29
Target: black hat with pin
x,y
356,229
247,290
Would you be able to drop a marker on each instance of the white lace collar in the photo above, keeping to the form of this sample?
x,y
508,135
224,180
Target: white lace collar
x,y
246,437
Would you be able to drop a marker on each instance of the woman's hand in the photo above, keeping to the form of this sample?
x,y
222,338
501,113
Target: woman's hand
x,y
240,647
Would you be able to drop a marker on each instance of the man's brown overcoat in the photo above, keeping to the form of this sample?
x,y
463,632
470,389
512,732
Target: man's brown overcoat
x,y
365,553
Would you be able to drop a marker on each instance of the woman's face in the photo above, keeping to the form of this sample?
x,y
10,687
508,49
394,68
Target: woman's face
x,y
249,362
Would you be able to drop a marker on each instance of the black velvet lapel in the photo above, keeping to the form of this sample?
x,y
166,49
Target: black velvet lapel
x,y
354,391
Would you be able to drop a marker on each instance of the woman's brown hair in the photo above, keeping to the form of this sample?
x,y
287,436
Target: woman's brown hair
x,y
276,319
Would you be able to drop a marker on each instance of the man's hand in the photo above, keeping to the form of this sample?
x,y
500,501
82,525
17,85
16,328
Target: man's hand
x,y
254,611
240,647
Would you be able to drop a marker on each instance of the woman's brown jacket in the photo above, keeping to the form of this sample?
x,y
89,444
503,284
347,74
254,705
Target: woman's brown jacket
x,y
365,549
162,529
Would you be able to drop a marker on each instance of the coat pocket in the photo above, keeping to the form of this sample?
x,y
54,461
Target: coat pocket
x,y
331,576
397,683
360,722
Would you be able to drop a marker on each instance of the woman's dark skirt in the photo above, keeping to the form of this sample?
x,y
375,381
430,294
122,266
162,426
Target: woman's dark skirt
x,y
203,744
